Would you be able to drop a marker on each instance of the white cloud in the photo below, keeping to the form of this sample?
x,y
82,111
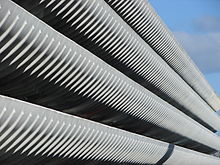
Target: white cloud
x,y
204,49
207,24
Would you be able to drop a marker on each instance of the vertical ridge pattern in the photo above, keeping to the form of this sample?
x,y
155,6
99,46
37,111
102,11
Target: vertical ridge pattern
x,y
145,21
99,29
25,129
55,61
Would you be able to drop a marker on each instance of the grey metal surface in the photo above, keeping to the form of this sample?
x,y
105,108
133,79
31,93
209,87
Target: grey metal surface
x,y
188,158
145,21
94,25
32,52
32,131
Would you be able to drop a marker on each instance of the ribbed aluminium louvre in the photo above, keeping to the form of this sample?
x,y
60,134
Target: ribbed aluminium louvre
x,y
33,52
96,26
144,20
28,132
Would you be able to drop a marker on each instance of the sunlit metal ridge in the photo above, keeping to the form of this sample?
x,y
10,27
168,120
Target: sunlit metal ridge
x,y
95,26
145,21
29,132
33,53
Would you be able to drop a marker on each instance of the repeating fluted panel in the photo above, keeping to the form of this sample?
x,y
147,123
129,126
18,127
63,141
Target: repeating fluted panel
x,y
28,129
144,20
33,130
42,54
188,158
99,24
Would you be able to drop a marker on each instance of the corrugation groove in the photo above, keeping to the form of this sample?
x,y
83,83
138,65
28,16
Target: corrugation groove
x,y
25,130
97,27
140,15
181,159
75,65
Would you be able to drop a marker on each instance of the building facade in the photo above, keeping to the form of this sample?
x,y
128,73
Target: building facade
x,y
100,82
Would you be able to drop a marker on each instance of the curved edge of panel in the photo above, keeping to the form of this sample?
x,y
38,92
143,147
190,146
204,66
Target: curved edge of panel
x,y
29,129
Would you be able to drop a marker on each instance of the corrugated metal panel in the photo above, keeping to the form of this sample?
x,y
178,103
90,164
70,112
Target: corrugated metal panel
x,y
31,131
32,52
144,20
97,27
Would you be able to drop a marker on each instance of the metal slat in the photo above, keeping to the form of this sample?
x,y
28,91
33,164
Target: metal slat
x,y
63,69
32,131
140,15
94,25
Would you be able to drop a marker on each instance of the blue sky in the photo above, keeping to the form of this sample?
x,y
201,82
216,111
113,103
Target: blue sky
x,y
196,25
